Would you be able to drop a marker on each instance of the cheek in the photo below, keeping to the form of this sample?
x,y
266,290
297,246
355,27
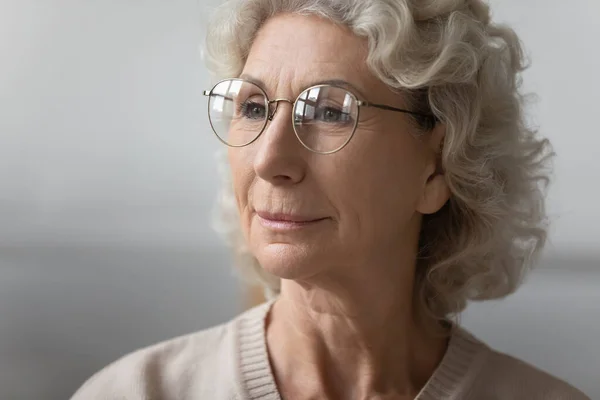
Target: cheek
x,y
383,181
242,178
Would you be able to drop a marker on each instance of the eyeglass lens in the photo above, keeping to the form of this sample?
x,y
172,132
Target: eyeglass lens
x,y
324,117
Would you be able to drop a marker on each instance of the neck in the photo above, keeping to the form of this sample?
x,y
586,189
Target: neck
x,y
351,338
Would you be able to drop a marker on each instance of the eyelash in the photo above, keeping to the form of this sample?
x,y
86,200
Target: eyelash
x,y
244,106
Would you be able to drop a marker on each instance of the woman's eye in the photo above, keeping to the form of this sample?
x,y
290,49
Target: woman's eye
x,y
330,114
252,110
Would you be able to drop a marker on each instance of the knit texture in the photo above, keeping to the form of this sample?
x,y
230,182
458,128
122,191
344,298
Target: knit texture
x,y
230,362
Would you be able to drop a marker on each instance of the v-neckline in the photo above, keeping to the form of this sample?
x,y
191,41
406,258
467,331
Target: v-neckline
x,y
464,353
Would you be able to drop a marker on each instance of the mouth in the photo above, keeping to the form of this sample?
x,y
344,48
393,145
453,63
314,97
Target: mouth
x,y
286,217
287,221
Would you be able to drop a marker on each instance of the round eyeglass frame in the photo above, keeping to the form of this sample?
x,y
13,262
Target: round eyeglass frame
x,y
359,104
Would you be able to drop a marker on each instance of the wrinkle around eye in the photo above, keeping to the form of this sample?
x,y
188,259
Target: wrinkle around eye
x,y
369,120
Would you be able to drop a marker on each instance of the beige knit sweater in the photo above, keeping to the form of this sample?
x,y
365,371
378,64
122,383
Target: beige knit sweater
x,y
230,362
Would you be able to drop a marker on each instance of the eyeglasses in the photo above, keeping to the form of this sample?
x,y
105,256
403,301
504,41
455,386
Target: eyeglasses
x,y
324,117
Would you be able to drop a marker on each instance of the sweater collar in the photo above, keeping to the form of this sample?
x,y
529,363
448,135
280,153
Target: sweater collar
x,y
453,376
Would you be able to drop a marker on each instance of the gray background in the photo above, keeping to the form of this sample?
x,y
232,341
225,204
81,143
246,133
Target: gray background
x,y
107,178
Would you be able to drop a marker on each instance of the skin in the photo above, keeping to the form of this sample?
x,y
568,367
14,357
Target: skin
x,y
344,325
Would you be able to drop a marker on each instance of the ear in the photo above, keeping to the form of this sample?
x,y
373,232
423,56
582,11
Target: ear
x,y
435,189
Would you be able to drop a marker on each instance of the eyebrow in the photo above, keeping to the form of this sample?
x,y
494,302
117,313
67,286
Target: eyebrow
x,y
334,82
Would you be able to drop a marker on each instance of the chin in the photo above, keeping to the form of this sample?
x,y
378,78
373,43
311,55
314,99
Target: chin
x,y
288,261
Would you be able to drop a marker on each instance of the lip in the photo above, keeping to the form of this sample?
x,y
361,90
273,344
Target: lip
x,y
286,221
286,217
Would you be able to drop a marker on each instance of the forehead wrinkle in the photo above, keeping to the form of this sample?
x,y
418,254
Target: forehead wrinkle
x,y
286,73
278,85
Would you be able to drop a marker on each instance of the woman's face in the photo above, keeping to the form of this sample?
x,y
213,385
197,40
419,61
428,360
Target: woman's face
x,y
359,206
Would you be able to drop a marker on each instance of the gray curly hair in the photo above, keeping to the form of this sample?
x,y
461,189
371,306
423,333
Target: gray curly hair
x,y
452,61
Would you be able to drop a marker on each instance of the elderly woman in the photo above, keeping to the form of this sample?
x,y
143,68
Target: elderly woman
x,y
382,175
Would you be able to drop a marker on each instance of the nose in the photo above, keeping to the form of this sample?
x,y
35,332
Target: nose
x,y
279,156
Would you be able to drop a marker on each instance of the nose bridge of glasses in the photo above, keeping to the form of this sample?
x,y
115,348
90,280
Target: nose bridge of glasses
x,y
276,103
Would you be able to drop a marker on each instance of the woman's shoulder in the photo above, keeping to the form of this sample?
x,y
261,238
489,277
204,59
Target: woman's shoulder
x,y
162,368
502,376
188,366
